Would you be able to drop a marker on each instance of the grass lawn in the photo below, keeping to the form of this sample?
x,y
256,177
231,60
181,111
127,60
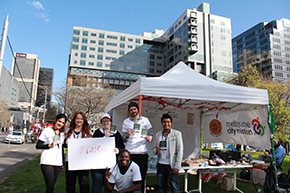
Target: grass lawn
x,y
28,178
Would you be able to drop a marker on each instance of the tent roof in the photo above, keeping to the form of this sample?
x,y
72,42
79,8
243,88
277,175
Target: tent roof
x,y
183,87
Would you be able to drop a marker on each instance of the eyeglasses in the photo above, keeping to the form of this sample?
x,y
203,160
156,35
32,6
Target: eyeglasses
x,y
106,121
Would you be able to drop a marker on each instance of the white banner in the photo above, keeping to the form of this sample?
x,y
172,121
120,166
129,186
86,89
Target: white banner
x,y
243,127
91,153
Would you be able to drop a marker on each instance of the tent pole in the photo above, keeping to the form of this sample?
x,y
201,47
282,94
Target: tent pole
x,y
140,104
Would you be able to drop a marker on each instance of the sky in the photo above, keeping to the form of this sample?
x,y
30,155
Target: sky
x,y
45,27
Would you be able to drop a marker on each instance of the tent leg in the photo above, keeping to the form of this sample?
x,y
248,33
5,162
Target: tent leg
x,y
140,104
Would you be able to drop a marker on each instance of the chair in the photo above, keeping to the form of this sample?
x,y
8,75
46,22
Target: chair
x,y
279,165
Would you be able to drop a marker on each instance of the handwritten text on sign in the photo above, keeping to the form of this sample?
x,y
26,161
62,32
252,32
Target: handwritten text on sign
x,y
91,153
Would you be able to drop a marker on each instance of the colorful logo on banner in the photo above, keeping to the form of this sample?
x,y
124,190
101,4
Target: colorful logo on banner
x,y
237,128
258,128
215,127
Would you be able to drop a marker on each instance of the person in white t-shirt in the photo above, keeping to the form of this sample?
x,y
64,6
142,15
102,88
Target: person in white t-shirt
x,y
51,161
79,128
137,132
125,176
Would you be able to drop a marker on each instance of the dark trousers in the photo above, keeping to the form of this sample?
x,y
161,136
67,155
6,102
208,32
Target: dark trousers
x,y
164,172
142,161
50,174
83,177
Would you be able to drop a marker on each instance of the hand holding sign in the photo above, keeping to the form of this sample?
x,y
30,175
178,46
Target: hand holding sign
x,y
107,174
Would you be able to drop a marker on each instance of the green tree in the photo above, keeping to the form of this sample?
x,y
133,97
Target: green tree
x,y
279,96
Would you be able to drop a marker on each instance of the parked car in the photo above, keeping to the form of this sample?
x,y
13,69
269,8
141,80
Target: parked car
x,y
15,137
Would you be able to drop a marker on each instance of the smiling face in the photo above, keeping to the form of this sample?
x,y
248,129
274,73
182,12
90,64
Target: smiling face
x,y
106,123
133,112
59,124
166,124
79,121
124,159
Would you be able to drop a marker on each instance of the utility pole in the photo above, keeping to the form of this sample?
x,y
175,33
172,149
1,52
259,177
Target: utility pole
x,y
3,42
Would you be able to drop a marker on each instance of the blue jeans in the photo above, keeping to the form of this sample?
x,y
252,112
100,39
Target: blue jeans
x,y
98,177
163,173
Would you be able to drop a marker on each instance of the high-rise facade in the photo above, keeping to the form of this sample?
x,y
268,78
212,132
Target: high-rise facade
x,y
267,47
44,86
28,65
9,90
198,38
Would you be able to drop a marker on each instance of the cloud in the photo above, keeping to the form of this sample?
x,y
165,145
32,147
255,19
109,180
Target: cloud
x,y
42,12
36,5
43,16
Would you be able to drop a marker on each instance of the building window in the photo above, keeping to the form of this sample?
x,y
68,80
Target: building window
x,y
99,64
212,21
111,51
91,56
91,63
223,23
136,68
92,48
85,40
74,47
75,39
76,32
276,40
111,44
93,34
82,62
112,37
85,33
101,42
93,41
151,70
100,50
76,54
83,55
122,38
122,45
84,48
137,41
151,63
122,52
152,56
130,46
130,39
75,62
223,37
100,57
101,35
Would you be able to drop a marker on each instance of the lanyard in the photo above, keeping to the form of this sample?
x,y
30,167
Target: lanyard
x,y
76,136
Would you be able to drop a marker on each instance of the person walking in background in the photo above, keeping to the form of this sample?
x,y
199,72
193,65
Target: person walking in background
x,y
124,177
51,160
136,132
79,128
168,146
98,176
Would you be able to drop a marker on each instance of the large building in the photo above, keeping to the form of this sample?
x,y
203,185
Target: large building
x,y
9,90
267,47
198,38
44,86
28,65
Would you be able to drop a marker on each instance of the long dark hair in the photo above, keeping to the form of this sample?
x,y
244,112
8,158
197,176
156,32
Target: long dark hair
x,y
86,130
60,116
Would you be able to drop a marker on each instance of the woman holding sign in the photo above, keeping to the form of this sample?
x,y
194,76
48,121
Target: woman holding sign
x,y
107,130
50,141
79,128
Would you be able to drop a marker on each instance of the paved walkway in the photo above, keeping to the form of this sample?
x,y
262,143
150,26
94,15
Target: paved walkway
x,y
14,155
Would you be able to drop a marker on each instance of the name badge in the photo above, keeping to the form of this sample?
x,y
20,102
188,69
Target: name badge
x,y
113,128
162,145
136,127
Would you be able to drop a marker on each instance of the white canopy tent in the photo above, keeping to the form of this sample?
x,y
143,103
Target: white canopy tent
x,y
188,96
